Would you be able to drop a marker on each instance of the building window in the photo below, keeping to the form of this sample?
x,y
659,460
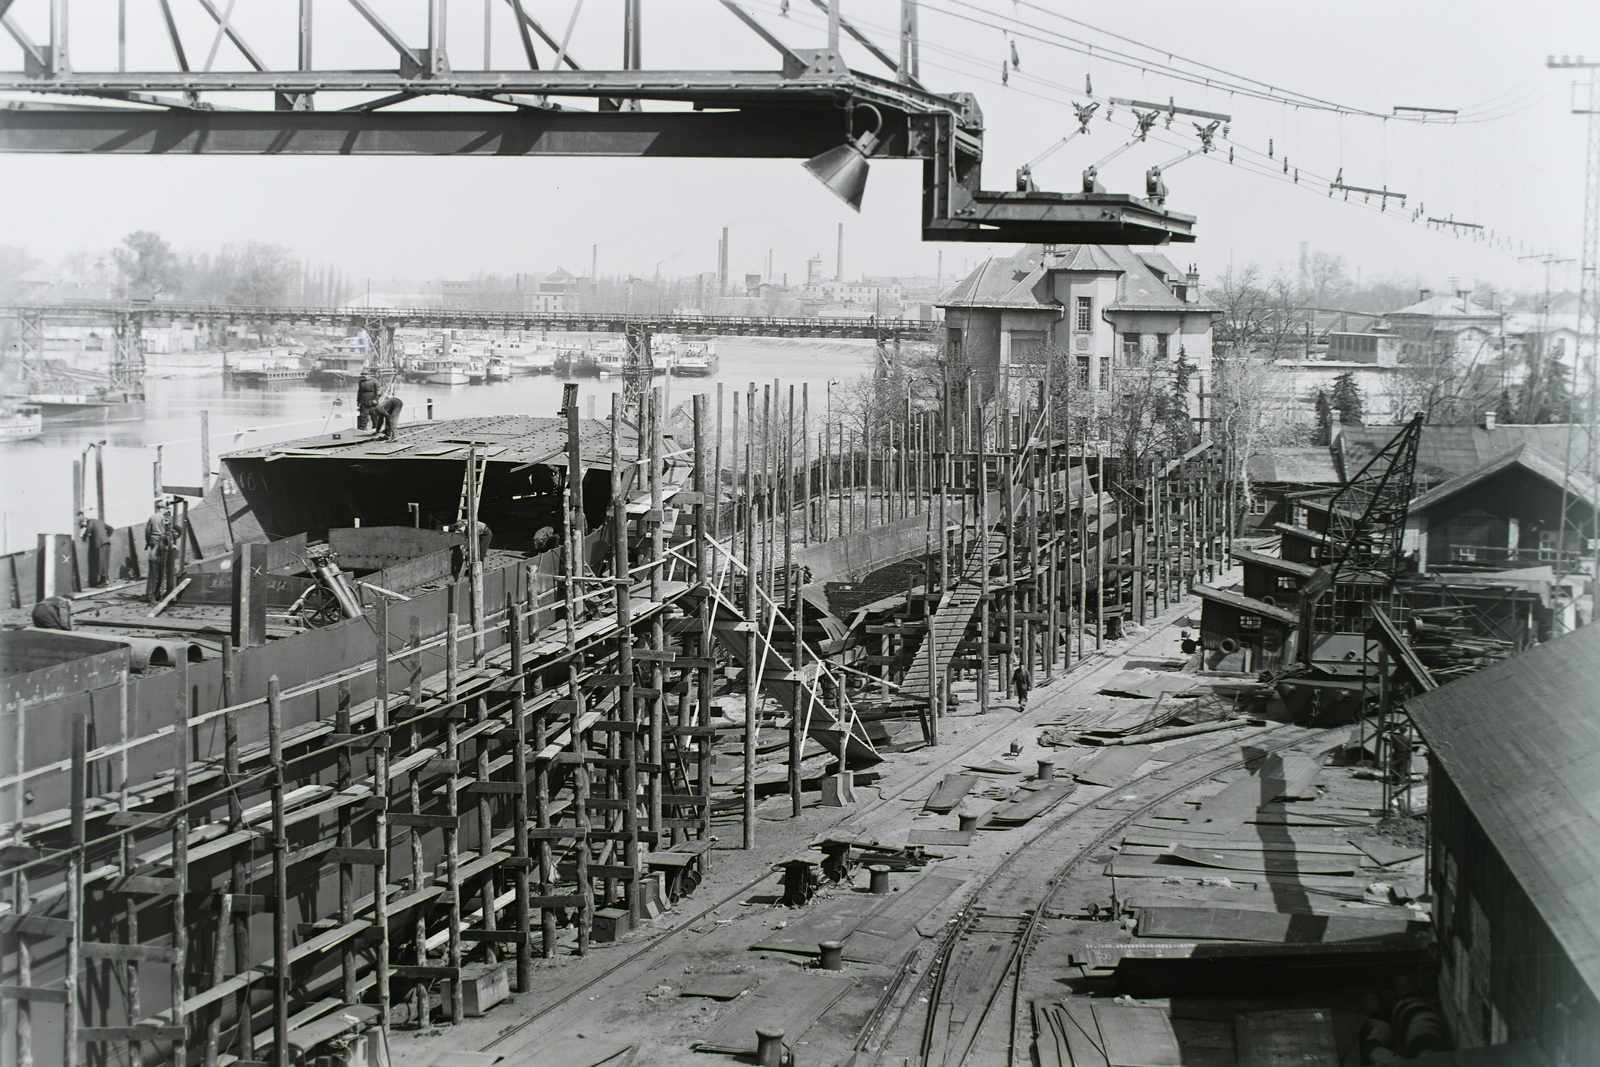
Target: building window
x,y
1083,372
1085,314
953,344
1161,346
1287,581
1105,372
1130,346
1259,506
1250,623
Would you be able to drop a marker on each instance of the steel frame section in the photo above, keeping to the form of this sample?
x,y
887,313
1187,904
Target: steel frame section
x,y
127,360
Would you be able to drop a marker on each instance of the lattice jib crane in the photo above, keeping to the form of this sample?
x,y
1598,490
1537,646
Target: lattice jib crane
x,y
1366,527
812,106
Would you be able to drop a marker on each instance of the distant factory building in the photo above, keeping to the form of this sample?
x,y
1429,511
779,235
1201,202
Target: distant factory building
x,y
1100,306
1513,824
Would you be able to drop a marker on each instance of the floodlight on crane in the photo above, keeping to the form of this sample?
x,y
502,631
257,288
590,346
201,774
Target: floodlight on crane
x,y
844,169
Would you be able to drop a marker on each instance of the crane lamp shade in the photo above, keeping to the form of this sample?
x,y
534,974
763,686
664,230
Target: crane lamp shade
x,y
844,169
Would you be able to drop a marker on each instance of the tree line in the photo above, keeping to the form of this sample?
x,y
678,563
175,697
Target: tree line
x,y
248,272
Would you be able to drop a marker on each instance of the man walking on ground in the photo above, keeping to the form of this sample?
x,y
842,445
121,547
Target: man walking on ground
x,y
1022,682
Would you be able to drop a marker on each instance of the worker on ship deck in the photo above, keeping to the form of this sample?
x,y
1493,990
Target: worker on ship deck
x,y
367,393
386,416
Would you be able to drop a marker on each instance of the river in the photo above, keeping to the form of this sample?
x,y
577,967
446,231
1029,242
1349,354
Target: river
x,y
36,476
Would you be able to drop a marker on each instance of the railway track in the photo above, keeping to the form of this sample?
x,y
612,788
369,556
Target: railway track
x,y
987,945
642,958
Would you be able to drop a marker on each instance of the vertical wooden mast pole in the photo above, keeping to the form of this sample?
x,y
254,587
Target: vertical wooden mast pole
x,y
627,705
705,484
751,667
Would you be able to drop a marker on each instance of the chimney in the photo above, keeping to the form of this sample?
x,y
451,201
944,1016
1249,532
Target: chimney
x,y
839,267
1335,425
1193,281
1488,420
722,264
1425,294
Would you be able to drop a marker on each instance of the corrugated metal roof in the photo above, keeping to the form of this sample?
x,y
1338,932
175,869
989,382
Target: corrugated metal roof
x,y
1445,452
1275,563
1447,307
1244,603
1304,466
506,438
1521,741
1528,459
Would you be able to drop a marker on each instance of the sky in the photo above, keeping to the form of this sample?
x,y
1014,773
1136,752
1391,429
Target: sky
x,y
1512,162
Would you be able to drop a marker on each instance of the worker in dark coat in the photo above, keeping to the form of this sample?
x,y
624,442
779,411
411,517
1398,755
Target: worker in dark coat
x,y
53,613
98,533
367,393
386,416
1022,682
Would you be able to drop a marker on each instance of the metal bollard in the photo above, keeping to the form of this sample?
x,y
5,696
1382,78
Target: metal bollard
x,y
769,1048
1047,769
966,822
880,881
832,956
430,407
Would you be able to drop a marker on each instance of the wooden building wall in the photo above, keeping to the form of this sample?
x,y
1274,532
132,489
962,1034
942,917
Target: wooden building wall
x,y
1503,974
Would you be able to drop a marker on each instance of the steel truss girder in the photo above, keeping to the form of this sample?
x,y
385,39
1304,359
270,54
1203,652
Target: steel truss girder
x,y
954,207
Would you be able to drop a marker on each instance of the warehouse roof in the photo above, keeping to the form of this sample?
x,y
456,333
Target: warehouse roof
x,y
1300,466
1445,452
1523,458
1520,741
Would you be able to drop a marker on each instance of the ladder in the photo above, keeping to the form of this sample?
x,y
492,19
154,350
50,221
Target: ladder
x,y
471,485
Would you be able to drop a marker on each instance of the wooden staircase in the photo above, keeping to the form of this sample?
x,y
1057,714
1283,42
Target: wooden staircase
x,y
950,623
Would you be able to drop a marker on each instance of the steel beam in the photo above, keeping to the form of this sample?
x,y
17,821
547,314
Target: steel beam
x,y
763,134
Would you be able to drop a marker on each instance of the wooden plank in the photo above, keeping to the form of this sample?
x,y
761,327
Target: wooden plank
x,y
791,1003
35,925
104,950
1237,924
716,986
949,792
1137,1036
1029,804
959,838
1286,841
132,1033
1301,1037
1287,864
1386,853
1110,767
1087,1047
341,1021
36,994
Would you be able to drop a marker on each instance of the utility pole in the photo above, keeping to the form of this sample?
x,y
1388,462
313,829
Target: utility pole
x,y
1580,531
